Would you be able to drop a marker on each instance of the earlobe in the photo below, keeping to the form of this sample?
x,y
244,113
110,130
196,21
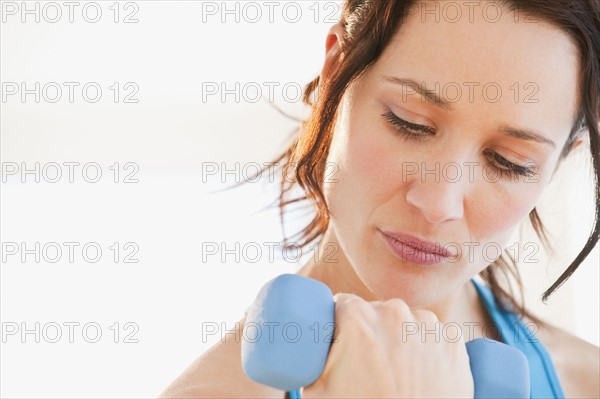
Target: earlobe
x,y
332,50
576,144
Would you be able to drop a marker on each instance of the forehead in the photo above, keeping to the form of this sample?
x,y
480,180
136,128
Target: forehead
x,y
522,56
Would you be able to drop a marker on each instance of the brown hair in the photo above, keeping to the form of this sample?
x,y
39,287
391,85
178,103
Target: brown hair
x,y
369,26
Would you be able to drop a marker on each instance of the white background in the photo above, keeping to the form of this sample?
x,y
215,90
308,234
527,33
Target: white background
x,y
171,134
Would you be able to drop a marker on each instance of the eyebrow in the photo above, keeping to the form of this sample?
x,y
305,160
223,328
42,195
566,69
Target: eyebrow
x,y
429,95
432,97
525,134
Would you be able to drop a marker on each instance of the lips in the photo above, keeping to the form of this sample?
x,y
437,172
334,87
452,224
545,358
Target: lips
x,y
426,246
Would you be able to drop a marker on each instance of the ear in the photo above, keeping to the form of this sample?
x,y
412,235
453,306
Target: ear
x,y
332,50
577,143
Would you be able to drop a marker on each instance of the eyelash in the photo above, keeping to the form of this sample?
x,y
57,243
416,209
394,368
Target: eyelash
x,y
414,132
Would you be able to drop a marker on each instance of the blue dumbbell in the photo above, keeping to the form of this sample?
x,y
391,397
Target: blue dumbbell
x,y
289,329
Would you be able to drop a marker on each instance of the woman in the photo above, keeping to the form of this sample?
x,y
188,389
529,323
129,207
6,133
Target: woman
x,y
431,139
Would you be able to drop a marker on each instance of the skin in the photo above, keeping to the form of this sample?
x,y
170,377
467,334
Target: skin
x,y
372,191
371,158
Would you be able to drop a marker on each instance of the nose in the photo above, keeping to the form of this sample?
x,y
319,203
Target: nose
x,y
438,198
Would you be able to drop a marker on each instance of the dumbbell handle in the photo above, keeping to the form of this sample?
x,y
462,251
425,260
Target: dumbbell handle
x,y
289,327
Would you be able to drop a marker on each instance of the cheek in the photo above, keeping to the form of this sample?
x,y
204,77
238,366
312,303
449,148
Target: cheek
x,y
494,210
369,176
358,157
361,183
372,162
374,159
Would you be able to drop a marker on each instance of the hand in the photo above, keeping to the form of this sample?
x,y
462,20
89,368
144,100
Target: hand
x,y
372,357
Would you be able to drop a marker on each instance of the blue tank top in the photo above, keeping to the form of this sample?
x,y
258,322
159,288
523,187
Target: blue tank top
x,y
514,332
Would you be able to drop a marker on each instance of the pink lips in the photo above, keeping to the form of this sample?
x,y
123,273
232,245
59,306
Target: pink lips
x,y
413,249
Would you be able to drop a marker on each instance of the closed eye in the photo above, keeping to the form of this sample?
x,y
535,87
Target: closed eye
x,y
415,132
406,128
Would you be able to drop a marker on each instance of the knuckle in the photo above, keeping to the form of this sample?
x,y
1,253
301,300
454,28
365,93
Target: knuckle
x,y
397,309
350,301
425,315
351,308
347,298
358,325
340,298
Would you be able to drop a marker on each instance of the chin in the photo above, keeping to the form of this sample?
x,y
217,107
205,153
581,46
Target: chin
x,y
389,277
395,280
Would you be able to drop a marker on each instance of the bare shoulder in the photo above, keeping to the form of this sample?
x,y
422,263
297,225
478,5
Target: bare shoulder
x,y
577,361
218,373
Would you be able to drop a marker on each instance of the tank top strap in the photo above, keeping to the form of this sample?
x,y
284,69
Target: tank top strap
x,y
514,332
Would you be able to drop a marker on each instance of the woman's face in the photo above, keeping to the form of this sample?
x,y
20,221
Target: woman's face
x,y
438,166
